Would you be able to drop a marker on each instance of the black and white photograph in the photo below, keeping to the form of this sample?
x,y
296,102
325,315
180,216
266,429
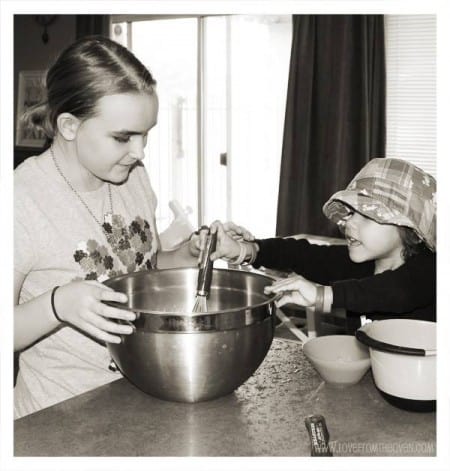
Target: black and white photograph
x,y
223,236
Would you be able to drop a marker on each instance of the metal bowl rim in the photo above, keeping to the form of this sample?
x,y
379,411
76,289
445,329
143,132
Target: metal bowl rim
x,y
187,314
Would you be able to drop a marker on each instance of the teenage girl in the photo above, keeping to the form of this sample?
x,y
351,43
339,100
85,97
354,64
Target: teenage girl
x,y
84,212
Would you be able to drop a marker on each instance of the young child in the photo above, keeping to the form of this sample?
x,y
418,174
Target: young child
x,y
387,269
84,212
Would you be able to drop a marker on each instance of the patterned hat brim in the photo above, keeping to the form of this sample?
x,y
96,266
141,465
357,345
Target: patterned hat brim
x,y
337,207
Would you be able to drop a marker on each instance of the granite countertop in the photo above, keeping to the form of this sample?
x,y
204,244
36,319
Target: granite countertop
x,y
263,417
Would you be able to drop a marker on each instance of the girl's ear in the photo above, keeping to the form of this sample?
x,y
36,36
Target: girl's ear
x,y
68,125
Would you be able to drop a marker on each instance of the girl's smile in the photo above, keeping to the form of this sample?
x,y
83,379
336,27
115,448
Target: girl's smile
x,y
369,240
352,242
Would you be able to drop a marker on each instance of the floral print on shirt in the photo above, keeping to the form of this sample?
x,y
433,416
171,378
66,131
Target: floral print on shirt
x,y
130,249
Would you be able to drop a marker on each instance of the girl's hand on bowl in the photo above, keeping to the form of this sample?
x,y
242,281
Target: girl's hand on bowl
x,y
79,303
295,290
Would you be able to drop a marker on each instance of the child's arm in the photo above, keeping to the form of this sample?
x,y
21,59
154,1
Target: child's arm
x,y
411,286
319,263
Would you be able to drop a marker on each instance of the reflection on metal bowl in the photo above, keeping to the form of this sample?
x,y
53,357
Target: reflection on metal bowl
x,y
178,355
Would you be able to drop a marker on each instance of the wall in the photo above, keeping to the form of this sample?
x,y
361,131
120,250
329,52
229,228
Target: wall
x,y
30,53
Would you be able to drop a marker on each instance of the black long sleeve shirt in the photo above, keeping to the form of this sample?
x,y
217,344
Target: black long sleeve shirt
x,y
408,291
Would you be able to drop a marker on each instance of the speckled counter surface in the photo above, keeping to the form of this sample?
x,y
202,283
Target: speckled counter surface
x,y
264,417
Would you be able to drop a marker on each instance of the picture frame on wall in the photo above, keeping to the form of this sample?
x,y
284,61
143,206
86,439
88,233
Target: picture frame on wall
x,y
30,92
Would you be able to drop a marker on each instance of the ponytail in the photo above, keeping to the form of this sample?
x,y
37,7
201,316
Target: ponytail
x,y
37,118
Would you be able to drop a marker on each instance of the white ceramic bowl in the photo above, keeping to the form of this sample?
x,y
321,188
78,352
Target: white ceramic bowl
x,y
341,360
403,357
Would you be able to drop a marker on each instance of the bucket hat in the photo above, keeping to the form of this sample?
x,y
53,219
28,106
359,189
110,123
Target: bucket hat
x,y
390,191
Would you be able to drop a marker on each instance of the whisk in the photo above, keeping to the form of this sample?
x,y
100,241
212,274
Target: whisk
x,y
205,274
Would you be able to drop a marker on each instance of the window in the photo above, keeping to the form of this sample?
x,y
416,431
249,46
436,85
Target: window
x,y
411,89
222,83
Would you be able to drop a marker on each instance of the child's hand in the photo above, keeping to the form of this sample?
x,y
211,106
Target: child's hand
x,y
227,246
295,289
238,232
197,242
228,235
79,303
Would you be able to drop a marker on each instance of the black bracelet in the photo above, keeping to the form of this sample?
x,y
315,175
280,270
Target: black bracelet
x,y
53,304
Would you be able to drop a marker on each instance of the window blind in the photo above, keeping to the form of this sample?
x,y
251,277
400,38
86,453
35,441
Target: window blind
x,y
411,89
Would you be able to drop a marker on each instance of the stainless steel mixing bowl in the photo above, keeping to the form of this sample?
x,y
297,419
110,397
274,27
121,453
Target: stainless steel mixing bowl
x,y
178,355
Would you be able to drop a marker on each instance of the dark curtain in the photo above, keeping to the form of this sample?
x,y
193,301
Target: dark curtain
x,y
335,114
88,25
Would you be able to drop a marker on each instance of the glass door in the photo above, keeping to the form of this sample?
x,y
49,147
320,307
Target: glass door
x,y
222,84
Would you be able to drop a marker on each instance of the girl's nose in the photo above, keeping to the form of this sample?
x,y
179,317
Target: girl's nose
x,y
354,219
350,222
346,219
137,147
